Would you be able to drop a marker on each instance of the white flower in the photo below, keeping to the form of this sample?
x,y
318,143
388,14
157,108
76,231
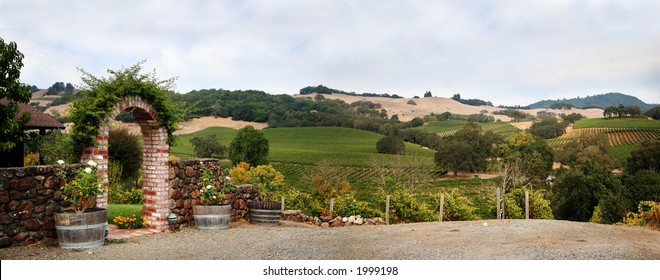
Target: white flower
x,y
208,186
99,157
88,170
60,162
228,178
92,163
214,197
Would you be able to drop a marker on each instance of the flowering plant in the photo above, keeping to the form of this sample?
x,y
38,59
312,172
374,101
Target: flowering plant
x,y
208,192
81,192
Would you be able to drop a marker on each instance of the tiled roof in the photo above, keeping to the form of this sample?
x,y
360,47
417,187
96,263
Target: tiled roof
x,y
38,119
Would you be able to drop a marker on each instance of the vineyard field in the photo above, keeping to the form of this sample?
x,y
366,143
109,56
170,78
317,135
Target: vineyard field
x,y
618,123
449,128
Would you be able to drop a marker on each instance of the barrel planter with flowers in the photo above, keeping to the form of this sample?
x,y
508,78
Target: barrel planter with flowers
x,y
267,180
212,214
82,226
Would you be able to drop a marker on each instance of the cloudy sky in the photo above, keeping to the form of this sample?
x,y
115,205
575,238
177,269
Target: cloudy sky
x,y
507,52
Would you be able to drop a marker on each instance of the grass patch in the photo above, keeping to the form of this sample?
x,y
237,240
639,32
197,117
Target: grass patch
x,y
617,123
115,210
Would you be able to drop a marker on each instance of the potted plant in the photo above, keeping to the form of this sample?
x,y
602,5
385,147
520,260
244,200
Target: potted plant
x,y
82,225
211,213
268,181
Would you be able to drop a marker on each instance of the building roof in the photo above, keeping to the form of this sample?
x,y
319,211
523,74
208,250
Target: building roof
x,y
37,118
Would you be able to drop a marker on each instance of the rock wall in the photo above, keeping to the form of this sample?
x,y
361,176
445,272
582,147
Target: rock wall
x,y
29,196
184,191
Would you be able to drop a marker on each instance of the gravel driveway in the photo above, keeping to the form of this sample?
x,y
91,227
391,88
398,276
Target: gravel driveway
x,y
490,239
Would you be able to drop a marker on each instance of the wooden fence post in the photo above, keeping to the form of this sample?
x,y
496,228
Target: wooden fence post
x,y
526,205
387,211
498,203
442,206
282,203
332,206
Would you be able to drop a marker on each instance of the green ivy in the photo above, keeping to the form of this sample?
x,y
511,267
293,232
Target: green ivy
x,y
100,95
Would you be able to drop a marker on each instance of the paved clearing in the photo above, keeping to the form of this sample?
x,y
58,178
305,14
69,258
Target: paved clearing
x,y
508,239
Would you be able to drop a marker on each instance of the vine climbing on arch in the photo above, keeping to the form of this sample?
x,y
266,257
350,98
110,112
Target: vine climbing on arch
x,y
100,95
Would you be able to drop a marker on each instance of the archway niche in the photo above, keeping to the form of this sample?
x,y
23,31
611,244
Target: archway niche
x,y
155,183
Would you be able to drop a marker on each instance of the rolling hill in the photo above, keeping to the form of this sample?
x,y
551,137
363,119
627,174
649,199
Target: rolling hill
x,y
601,101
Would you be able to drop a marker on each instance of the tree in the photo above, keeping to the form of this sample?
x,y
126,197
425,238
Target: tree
x,y
523,160
567,153
578,190
390,145
249,146
11,89
646,157
428,94
547,128
68,88
654,113
573,117
467,150
206,147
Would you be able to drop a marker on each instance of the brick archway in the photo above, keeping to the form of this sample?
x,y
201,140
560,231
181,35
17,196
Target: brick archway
x,y
155,183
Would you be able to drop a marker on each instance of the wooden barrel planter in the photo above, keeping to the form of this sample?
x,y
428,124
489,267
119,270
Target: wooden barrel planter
x,y
266,213
81,230
211,217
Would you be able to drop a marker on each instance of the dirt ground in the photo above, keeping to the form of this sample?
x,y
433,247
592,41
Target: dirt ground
x,y
470,240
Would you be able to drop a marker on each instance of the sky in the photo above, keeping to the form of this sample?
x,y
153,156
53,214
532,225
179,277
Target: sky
x,y
506,52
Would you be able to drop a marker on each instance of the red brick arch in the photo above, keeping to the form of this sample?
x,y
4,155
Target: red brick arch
x,y
155,183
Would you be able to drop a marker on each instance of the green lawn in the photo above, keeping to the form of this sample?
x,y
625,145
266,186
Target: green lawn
x,y
123,210
617,123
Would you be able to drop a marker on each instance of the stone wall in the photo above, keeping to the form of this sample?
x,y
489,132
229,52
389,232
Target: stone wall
x,y
184,192
29,196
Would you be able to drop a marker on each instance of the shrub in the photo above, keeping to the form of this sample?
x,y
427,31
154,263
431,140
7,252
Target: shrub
x,y
456,207
327,188
206,147
612,209
31,159
347,205
390,145
126,149
267,180
52,147
134,196
249,146
648,214
411,102
404,208
240,174
514,205
297,200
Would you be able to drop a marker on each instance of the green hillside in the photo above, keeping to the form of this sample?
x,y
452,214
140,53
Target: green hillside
x,y
601,101
310,145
